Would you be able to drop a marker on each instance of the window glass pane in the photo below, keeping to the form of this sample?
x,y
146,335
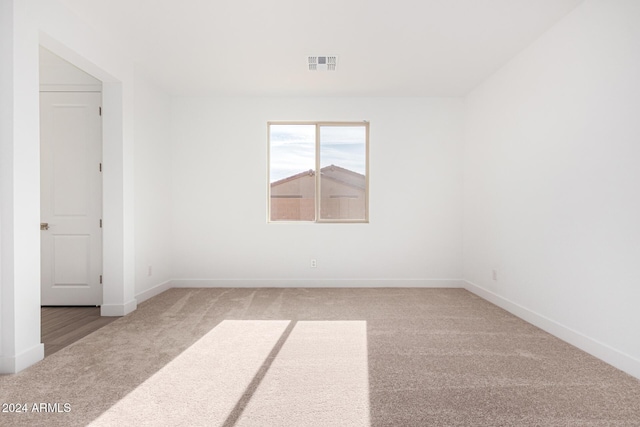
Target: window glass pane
x,y
292,155
343,167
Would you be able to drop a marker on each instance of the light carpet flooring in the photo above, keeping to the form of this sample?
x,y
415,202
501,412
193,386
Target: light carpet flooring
x,y
320,357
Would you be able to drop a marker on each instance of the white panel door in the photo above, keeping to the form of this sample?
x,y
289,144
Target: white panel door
x,y
71,198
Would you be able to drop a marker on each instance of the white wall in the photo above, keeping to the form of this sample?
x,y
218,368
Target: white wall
x,y
56,74
6,166
220,232
19,157
552,182
152,188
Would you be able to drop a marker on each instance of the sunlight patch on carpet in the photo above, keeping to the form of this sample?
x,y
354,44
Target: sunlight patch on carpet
x,y
202,385
319,378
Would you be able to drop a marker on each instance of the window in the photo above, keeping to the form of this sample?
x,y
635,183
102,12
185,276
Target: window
x,y
319,171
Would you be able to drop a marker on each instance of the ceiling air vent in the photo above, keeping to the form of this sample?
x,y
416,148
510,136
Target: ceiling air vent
x,y
322,63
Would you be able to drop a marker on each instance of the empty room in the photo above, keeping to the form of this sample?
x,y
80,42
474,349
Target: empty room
x,y
297,213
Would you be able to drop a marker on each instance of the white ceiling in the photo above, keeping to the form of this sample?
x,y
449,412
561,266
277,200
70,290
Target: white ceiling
x,y
259,47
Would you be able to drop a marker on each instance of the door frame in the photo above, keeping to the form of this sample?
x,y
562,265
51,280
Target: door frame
x,y
118,297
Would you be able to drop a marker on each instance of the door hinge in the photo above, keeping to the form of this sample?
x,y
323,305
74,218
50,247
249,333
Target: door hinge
x,y
101,279
100,167
100,222
100,110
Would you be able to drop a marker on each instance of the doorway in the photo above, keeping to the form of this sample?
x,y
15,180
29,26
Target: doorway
x,y
71,184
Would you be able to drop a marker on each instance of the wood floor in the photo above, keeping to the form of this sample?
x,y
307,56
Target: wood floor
x,y
61,326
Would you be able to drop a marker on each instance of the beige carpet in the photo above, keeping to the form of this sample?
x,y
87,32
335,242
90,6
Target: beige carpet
x,y
320,357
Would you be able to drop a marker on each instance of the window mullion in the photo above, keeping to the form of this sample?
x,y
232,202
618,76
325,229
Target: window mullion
x,y
317,174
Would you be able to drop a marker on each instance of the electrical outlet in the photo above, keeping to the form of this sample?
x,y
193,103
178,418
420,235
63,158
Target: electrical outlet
x,y
149,271
314,264
494,274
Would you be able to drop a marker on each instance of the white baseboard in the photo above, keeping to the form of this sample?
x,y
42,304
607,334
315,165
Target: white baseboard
x,y
118,310
12,365
316,283
152,292
602,351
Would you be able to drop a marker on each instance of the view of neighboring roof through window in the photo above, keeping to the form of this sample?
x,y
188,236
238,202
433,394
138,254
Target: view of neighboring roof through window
x,y
318,171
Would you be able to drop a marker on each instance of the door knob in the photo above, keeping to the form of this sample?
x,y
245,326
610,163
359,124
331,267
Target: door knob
x,y
44,226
